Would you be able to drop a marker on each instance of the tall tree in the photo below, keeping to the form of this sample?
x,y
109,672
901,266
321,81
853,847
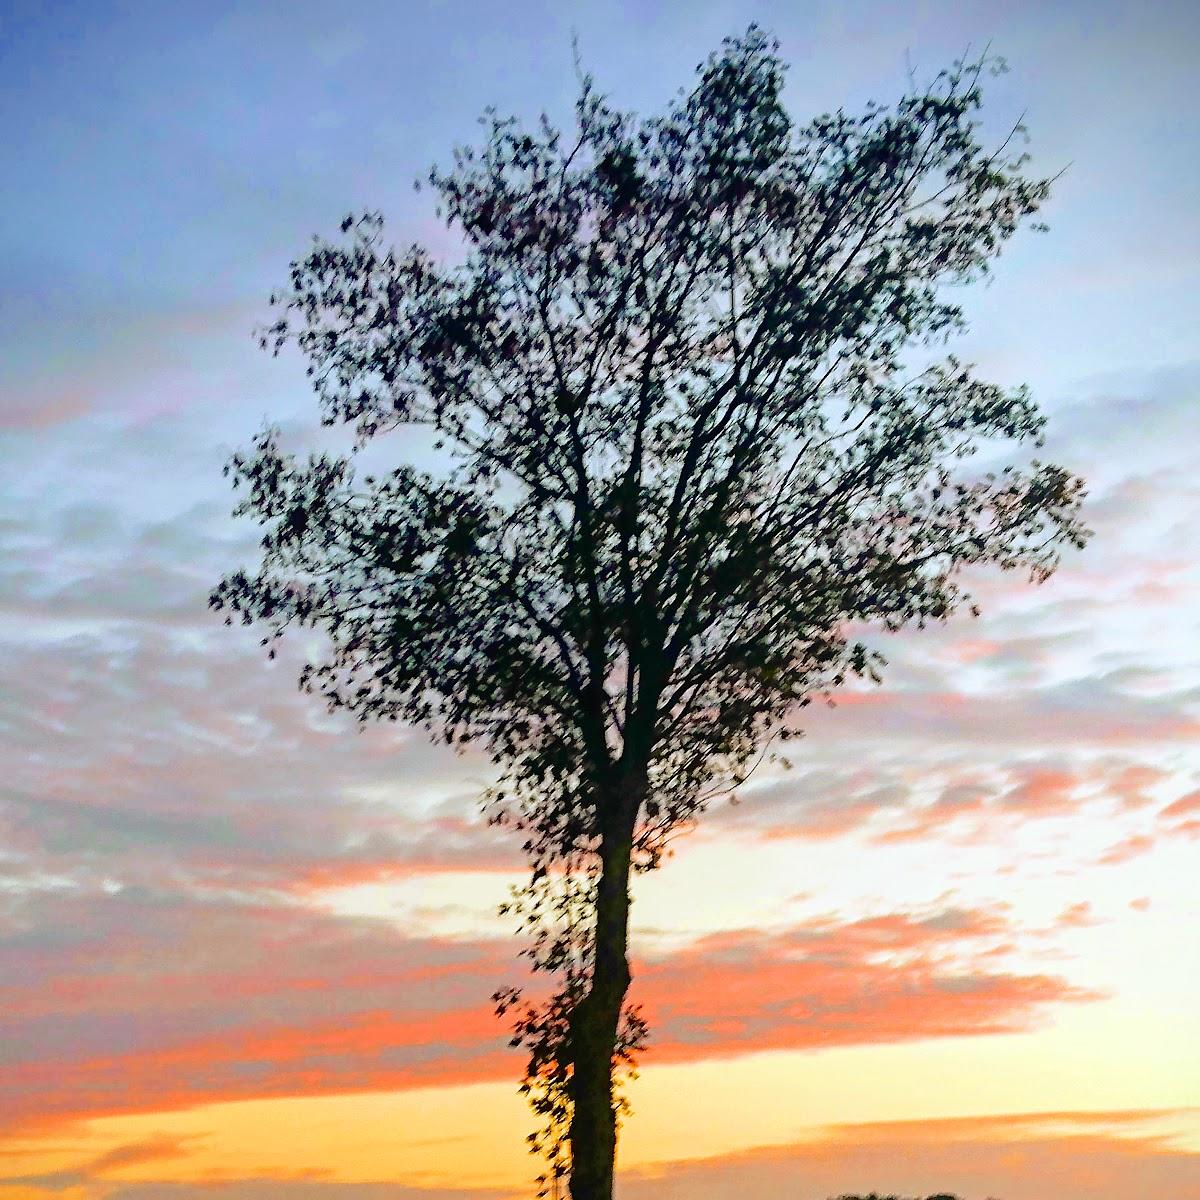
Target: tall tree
x,y
692,424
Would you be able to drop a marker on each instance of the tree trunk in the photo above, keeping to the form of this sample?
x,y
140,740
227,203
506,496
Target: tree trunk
x,y
594,1025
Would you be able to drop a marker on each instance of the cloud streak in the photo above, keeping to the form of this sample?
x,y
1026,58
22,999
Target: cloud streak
x,y
1071,1156
139,1002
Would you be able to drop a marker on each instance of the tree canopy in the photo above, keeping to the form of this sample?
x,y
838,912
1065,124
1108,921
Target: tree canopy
x,y
693,425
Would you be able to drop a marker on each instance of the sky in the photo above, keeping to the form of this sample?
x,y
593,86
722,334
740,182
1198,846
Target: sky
x,y
246,952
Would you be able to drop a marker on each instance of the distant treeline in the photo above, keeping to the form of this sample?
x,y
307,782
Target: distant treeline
x,y
876,1196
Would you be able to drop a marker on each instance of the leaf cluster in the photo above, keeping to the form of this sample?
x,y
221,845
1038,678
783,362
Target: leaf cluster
x,y
687,444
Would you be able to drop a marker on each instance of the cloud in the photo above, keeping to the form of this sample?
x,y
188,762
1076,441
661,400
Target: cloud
x,y
1128,847
146,743
153,1149
1076,916
136,1001
1087,711
130,360
818,803
140,1001
892,978
940,793
1070,1156
1186,807
86,1185
1182,816
295,1189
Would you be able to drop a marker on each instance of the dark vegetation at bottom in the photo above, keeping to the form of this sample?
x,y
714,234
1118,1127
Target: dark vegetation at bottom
x,y
876,1196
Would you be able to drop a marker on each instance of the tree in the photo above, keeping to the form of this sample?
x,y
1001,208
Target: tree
x,y
691,422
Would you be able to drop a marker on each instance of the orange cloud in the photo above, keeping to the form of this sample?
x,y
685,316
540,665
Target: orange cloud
x,y
1130,784
221,1002
1185,806
1184,814
1044,790
1127,848
884,979
1076,916
371,1051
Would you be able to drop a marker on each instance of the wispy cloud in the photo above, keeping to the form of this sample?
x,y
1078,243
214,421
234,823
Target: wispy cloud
x,y
1071,1156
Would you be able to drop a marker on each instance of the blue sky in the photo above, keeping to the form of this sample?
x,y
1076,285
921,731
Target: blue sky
x,y
168,159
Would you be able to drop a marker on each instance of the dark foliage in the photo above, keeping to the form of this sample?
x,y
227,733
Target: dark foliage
x,y
692,426
876,1196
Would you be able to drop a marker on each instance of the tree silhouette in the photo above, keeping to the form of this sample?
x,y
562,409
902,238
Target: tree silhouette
x,y
691,423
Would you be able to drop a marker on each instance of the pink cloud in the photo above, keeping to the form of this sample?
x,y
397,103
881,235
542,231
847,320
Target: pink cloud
x,y
1186,806
1131,783
1076,916
882,979
1080,712
1067,1156
1127,848
1043,790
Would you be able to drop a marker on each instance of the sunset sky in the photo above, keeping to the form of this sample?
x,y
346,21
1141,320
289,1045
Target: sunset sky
x,y
246,952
